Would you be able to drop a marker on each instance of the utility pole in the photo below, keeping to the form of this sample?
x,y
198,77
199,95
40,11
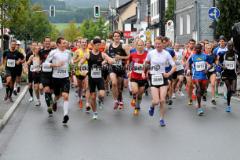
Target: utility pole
x,y
148,13
138,15
2,26
161,17
214,22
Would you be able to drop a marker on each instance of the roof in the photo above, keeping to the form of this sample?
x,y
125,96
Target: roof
x,y
121,8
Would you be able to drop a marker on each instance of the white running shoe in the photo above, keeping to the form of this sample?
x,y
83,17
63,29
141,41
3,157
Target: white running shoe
x,y
38,103
95,116
180,93
30,99
173,96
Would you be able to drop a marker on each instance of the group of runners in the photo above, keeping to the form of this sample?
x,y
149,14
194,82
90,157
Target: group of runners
x,y
96,66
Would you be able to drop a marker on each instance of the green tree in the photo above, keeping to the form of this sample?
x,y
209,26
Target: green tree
x,y
55,33
38,26
230,14
7,7
90,29
169,14
71,32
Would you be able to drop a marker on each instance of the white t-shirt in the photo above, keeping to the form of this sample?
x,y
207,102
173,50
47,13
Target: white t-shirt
x,y
57,56
159,61
179,56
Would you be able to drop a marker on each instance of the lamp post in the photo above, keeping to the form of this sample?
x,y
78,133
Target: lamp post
x,y
161,17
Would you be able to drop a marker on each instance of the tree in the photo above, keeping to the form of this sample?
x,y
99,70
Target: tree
x,y
169,15
31,24
6,8
90,29
55,33
38,26
230,14
71,32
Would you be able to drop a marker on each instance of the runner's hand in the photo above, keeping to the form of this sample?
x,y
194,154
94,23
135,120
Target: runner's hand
x,y
18,61
117,57
60,64
166,75
144,75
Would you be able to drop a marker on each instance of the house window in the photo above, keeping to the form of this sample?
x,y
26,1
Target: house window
x,y
181,25
188,24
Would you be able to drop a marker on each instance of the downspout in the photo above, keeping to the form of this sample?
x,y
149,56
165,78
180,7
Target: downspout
x,y
197,20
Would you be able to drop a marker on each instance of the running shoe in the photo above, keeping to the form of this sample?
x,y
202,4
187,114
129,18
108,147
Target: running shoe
x,y
38,103
10,99
54,107
133,102
95,116
65,119
50,111
80,104
120,105
214,102
30,99
100,104
151,111
200,111
88,108
180,93
18,89
170,102
6,97
115,105
228,109
15,92
162,123
136,112
204,98
174,96
190,102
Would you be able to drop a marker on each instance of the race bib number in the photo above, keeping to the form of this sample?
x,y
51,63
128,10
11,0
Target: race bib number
x,y
229,65
46,68
11,63
84,67
200,66
157,80
138,68
35,68
179,66
118,63
61,72
96,73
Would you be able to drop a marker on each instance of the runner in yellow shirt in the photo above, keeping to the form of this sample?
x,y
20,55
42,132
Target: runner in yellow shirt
x,y
81,74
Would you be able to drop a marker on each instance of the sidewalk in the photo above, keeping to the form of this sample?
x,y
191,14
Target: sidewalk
x,y
7,108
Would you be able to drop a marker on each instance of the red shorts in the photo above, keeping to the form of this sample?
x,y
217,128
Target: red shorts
x,y
202,82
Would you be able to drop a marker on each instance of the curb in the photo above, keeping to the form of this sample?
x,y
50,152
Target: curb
x,y
10,112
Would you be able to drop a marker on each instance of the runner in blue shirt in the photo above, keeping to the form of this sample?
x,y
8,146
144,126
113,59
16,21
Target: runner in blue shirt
x,y
199,63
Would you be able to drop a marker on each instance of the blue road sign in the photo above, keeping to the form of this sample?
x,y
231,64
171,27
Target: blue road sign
x,y
213,13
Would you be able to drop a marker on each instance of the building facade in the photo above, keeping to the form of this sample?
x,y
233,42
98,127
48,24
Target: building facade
x,y
192,20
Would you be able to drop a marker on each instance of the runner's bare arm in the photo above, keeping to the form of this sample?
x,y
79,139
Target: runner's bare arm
x,y
30,60
108,59
85,58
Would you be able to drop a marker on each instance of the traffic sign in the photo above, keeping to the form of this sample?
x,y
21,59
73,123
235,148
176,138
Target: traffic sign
x,y
214,13
127,34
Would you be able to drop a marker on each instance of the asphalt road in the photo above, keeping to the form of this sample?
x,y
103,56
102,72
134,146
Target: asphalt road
x,y
117,135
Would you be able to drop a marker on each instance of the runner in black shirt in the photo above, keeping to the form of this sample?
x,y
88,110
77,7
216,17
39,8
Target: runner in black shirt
x,y
11,58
